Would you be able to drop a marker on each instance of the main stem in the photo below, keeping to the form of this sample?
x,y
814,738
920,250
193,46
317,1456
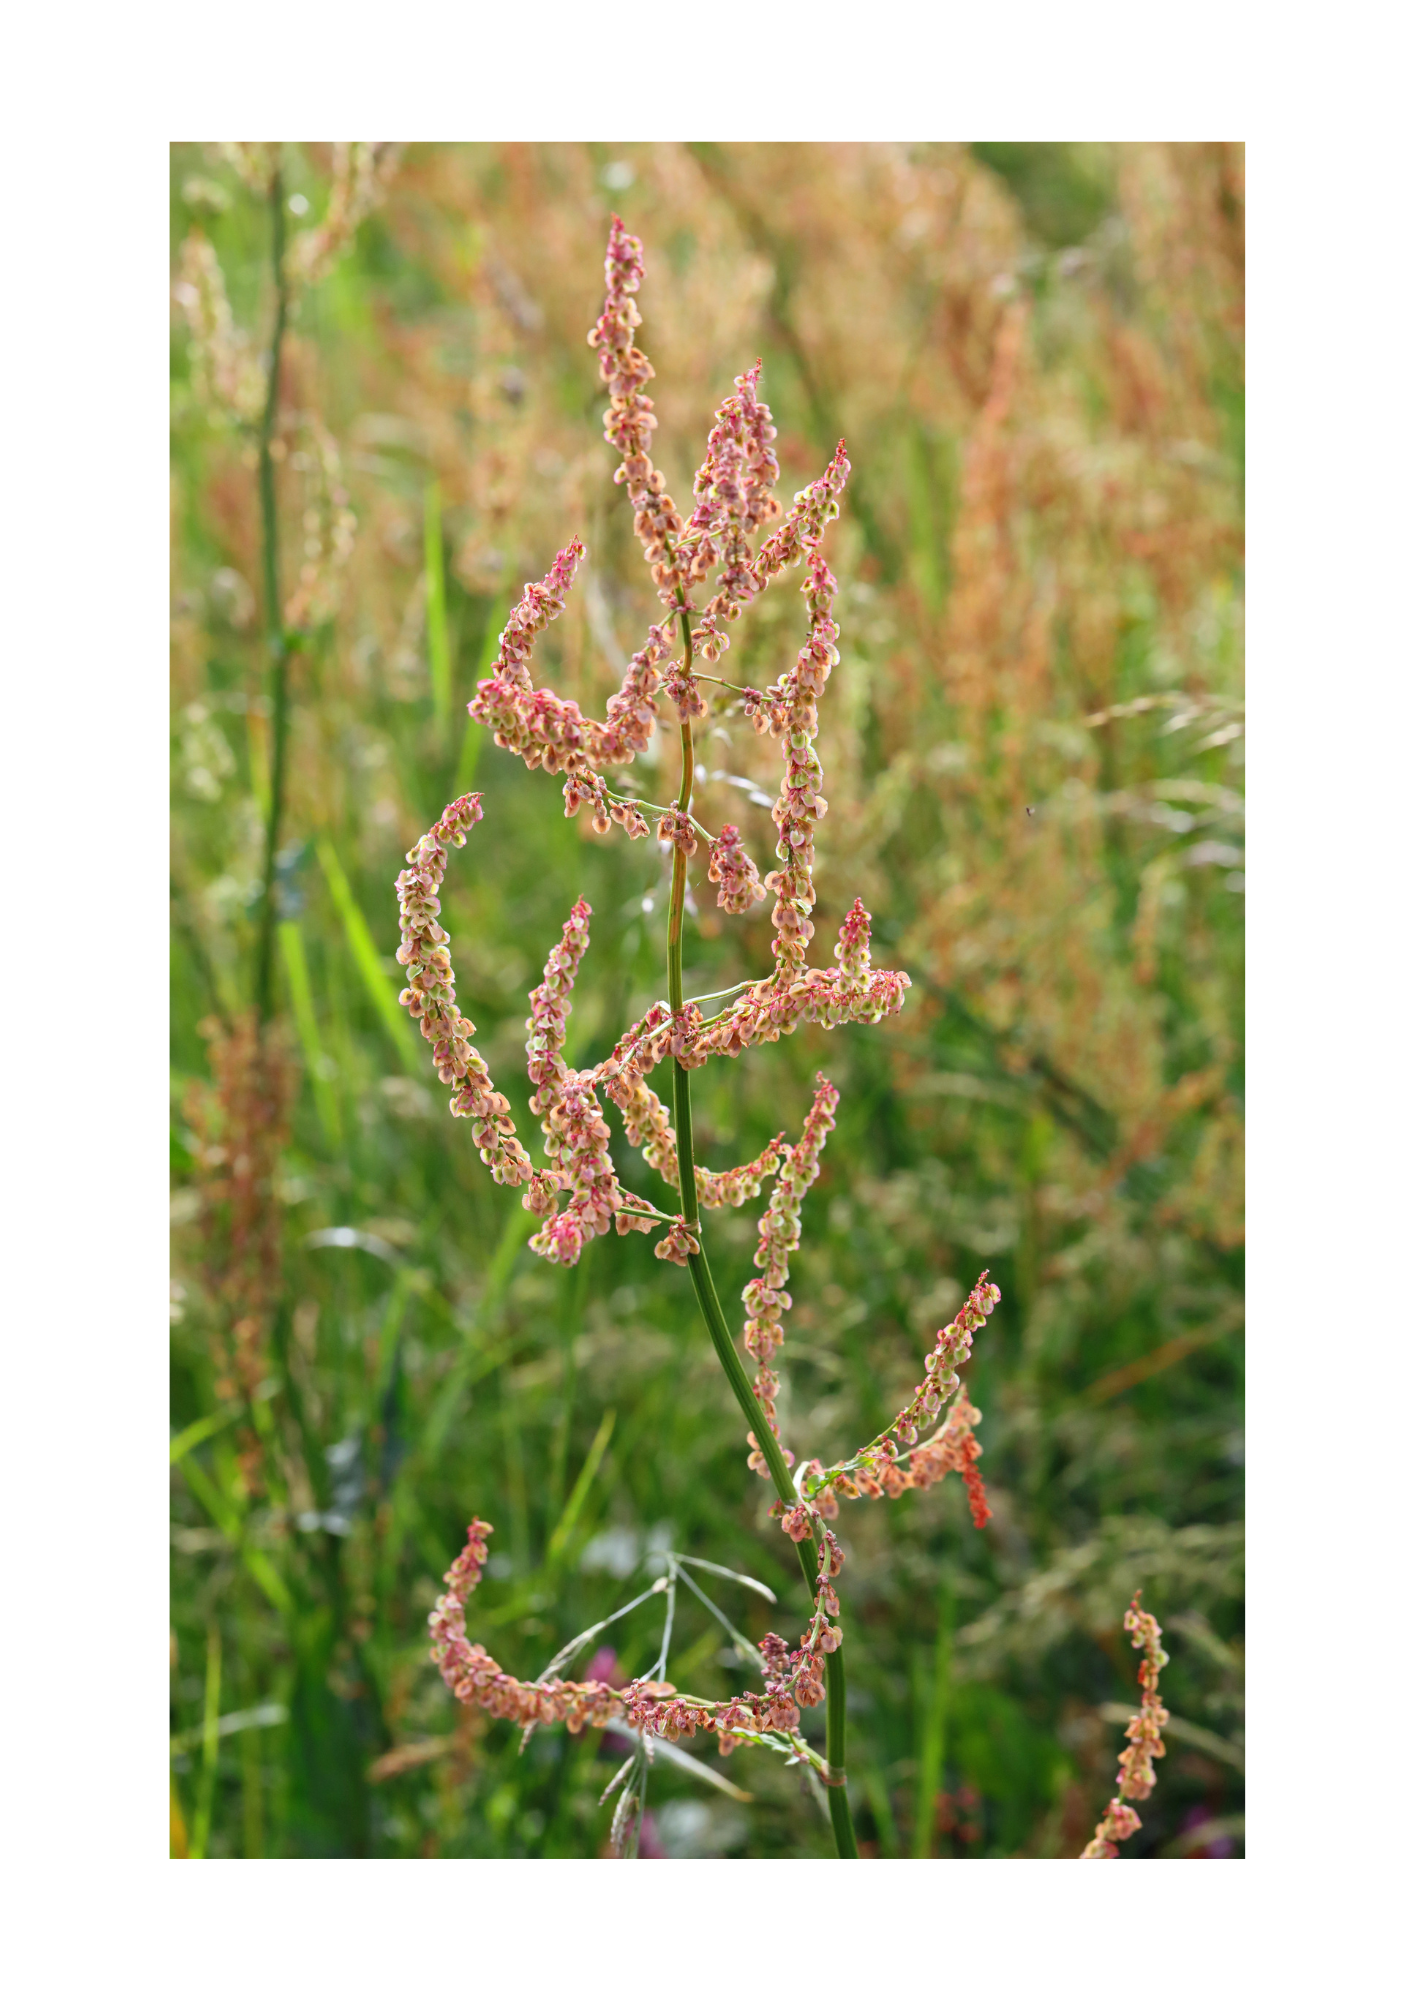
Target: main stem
x,y
275,640
701,1273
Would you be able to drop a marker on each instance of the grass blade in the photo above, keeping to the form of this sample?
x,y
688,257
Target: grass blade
x,y
679,1759
210,1732
582,1639
439,653
317,1064
565,1526
751,1582
380,985
228,1521
476,733
197,1433
269,1715
748,1653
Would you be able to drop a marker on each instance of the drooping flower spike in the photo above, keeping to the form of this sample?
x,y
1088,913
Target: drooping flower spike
x,y
474,1677
1145,1736
766,1297
895,1462
649,1130
430,997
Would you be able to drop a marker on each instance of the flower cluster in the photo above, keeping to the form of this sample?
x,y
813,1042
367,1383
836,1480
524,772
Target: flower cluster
x,y
474,1677
430,996
811,512
767,1011
734,498
550,1009
647,1128
952,1347
226,371
802,802
550,732
565,1101
361,171
329,525
1145,1734
881,1469
793,1679
576,1135
629,423
577,1143
589,789
675,829
679,1244
680,686
766,1297
734,870
852,951
803,1680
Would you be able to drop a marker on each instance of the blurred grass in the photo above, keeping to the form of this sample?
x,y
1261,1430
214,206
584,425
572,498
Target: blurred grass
x,y
1061,1099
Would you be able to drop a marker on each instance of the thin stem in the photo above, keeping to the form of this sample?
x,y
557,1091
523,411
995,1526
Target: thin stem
x,y
275,638
660,1671
582,1639
625,799
721,683
700,1272
821,1482
725,994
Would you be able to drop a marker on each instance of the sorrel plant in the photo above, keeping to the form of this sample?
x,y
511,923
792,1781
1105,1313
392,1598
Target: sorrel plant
x,y
721,547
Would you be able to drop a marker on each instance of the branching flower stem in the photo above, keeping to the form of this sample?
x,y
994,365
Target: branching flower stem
x,y
718,682
711,1307
626,799
276,639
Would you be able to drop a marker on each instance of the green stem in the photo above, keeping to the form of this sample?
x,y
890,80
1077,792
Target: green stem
x,y
275,638
701,1274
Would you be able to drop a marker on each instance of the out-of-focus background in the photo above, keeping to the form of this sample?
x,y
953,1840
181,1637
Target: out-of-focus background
x,y
1033,757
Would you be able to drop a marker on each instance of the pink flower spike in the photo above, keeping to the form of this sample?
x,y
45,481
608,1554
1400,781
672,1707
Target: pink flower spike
x,y
732,867
1145,1739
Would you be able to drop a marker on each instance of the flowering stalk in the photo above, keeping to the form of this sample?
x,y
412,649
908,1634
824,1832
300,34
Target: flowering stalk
x,y
276,640
733,500
240,388
700,1272
1146,1742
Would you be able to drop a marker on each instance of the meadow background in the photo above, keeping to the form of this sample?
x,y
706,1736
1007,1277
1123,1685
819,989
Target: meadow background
x,y
1033,754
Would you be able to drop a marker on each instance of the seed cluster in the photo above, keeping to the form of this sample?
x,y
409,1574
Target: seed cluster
x,y
647,1128
474,1677
733,869
766,1297
1145,1734
881,1469
430,996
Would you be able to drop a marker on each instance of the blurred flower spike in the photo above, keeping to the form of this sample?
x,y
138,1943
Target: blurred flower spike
x,y
1145,1734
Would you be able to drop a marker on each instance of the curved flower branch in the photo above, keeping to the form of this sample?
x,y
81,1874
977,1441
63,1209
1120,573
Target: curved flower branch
x,y
1145,1734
